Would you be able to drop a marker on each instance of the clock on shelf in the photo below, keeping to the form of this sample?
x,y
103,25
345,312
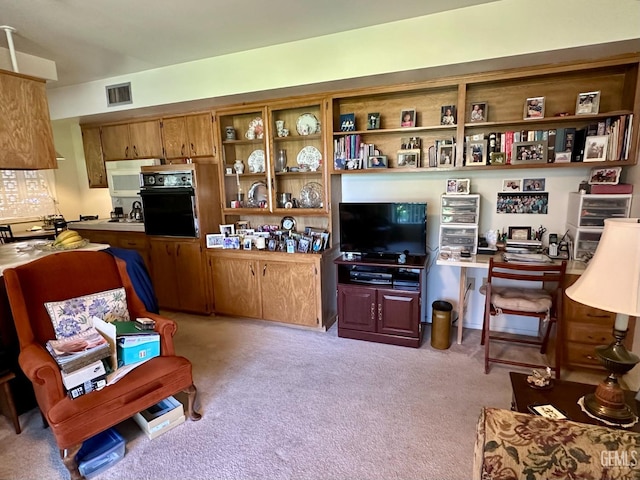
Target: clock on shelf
x,y
288,223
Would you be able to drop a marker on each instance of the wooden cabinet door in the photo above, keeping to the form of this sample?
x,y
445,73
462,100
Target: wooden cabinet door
x,y
235,286
163,273
200,135
288,292
115,142
136,241
99,236
357,309
26,136
398,312
174,134
96,171
145,139
192,291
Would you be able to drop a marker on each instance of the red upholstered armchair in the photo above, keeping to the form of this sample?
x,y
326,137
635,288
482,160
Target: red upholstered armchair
x,y
65,275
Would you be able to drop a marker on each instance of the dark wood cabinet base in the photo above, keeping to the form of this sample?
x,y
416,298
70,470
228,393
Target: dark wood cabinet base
x,y
381,337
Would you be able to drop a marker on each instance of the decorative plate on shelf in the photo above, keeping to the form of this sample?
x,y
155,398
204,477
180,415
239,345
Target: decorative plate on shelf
x,y
309,158
307,124
258,195
311,195
256,161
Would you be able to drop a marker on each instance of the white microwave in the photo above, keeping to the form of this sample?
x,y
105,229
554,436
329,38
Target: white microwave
x,y
123,176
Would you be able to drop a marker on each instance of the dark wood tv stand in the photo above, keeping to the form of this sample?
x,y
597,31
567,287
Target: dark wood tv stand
x,y
380,300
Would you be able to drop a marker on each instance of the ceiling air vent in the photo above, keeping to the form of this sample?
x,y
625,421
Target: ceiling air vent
x,y
119,94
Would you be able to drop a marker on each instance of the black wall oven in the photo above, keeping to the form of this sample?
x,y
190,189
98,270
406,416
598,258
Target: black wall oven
x,y
168,200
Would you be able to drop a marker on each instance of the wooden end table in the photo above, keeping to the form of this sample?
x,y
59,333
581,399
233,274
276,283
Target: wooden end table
x,y
564,396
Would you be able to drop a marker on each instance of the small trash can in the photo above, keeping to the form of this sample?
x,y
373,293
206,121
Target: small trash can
x,y
441,325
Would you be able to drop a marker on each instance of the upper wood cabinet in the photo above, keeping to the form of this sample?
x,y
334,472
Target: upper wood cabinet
x,y
96,171
26,137
188,136
132,140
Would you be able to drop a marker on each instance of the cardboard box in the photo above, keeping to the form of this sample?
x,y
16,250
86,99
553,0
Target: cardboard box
x,y
137,348
91,371
161,417
87,387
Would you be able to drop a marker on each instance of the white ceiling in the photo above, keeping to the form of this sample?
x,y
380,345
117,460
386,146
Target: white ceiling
x,y
94,39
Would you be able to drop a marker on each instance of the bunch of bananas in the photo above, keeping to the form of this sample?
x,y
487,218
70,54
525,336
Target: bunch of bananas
x,y
68,239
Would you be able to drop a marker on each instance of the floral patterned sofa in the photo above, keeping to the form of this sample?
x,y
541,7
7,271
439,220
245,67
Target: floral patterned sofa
x,y
512,445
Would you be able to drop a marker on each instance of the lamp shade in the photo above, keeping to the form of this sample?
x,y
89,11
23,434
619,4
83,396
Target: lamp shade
x,y
611,280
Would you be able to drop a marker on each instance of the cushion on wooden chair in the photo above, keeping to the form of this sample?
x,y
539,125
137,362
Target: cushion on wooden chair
x,y
534,300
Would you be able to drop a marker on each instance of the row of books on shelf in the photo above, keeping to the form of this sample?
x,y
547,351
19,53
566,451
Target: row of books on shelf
x,y
102,354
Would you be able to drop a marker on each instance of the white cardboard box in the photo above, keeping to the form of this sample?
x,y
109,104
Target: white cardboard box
x,y
161,417
82,375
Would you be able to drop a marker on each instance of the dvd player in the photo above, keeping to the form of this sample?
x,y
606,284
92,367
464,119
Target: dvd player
x,y
373,277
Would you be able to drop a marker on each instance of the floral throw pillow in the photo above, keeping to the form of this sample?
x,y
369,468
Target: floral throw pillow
x,y
72,316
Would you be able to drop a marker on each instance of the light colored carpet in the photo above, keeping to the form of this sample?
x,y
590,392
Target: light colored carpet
x,y
286,403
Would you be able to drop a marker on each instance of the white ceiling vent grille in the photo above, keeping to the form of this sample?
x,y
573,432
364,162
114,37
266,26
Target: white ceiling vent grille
x,y
119,94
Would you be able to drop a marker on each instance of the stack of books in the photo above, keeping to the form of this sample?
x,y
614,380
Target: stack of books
x,y
80,360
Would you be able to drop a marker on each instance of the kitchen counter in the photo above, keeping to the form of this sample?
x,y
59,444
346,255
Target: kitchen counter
x,y
18,253
105,224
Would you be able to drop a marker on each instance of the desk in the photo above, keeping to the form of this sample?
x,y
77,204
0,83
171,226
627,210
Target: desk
x,y
482,261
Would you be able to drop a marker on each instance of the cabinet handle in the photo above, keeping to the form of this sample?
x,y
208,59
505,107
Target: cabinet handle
x,y
251,268
380,312
126,152
264,269
193,150
135,151
373,311
215,150
597,316
178,250
182,150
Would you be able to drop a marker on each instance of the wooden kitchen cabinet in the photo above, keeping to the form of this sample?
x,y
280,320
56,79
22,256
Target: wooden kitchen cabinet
x,y
132,140
584,328
178,275
96,171
120,239
297,289
25,134
188,136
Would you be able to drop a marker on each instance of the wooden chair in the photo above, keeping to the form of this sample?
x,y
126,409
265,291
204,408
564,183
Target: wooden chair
x,y
72,422
6,235
59,226
539,297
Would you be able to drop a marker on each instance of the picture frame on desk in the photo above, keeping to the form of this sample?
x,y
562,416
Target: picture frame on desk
x,y
519,233
529,152
605,176
595,148
215,240
458,186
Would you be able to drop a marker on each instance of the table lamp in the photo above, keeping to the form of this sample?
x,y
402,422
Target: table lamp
x,y
611,282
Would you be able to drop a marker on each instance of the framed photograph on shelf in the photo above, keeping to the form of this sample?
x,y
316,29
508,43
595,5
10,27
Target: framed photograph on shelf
x,y
215,240
247,242
588,103
446,155
373,121
448,115
410,143
408,118
533,184
228,230
595,148
347,122
476,153
512,185
529,152
479,112
519,233
458,186
605,176
377,161
409,158
497,158
534,108
563,157
231,243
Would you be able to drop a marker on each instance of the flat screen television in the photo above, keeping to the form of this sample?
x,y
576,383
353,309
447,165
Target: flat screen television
x,y
383,229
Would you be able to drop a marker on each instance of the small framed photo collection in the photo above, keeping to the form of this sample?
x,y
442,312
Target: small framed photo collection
x,y
534,108
458,186
588,103
476,153
595,149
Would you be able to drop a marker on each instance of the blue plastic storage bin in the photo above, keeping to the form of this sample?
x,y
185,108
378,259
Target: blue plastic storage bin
x,y
100,452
